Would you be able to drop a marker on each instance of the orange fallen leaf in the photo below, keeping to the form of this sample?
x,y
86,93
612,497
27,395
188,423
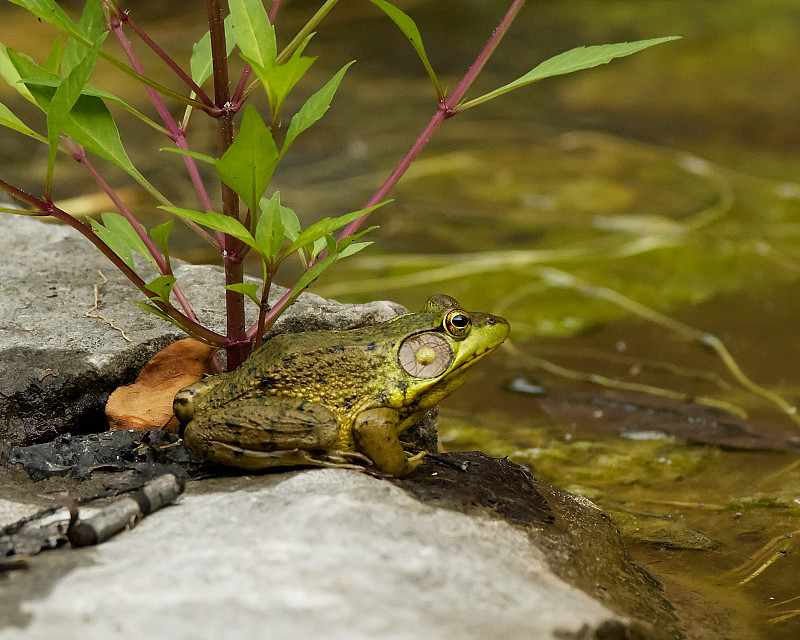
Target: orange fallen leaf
x,y
147,403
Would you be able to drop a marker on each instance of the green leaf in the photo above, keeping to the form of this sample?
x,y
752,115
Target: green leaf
x,y
65,97
409,28
118,233
201,63
92,24
156,311
254,34
270,230
312,274
89,90
569,62
89,123
117,244
314,108
49,11
53,61
11,75
278,80
8,119
248,164
250,289
216,221
327,225
192,154
290,222
121,226
352,248
162,287
161,236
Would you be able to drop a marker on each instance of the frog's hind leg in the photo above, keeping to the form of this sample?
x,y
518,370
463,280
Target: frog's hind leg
x,y
269,431
233,456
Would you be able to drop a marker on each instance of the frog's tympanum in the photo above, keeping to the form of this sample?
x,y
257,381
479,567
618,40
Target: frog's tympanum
x,y
337,398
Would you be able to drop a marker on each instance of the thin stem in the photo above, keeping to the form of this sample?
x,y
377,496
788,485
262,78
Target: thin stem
x,y
446,109
272,315
483,57
176,68
80,156
176,134
236,101
274,10
231,248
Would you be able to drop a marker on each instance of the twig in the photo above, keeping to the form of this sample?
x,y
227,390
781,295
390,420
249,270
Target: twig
x,y
90,313
125,512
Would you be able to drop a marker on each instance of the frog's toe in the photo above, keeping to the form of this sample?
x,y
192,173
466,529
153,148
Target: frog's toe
x,y
414,460
250,460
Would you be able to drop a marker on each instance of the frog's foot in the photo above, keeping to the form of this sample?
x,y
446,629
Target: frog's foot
x,y
233,456
375,434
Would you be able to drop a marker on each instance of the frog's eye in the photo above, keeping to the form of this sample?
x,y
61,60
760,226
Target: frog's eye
x,y
425,355
457,323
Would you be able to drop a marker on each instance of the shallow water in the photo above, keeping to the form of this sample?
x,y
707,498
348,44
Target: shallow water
x,y
668,178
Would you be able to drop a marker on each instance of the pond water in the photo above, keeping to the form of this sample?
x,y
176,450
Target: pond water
x,y
581,208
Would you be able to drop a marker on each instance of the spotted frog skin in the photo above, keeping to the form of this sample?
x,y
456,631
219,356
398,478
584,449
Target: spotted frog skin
x,y
337,398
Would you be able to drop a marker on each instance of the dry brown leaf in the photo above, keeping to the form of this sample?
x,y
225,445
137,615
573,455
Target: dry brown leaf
x,y
147,403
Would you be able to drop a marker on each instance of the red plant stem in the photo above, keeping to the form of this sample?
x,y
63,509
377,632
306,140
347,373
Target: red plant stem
x,y
269,319
186,78
274,10
236,101
49,209
232,251
79,154
175,132
447,108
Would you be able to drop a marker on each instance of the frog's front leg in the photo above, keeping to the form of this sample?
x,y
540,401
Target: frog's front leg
x,y
376,432
262,432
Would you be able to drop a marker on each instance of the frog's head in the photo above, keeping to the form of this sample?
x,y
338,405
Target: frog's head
x,y
433,360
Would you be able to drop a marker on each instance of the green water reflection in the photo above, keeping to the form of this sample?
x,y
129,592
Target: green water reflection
x,y
669,177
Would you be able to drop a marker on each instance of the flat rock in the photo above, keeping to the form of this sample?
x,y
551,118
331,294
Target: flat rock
x,y
58,364
315,554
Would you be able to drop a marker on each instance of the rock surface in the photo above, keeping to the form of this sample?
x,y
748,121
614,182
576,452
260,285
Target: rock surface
x,y
58,364
320,553
314,554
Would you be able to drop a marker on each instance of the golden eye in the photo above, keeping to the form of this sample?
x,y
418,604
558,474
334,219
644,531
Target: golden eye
x,y
425,355
457,323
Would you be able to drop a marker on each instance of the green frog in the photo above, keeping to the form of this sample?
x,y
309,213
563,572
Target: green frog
x,y
337,398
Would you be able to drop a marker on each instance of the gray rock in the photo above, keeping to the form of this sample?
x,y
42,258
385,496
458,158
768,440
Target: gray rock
x,y
317,554
58,365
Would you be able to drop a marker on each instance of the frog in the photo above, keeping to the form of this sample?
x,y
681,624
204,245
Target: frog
x,y
337,398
